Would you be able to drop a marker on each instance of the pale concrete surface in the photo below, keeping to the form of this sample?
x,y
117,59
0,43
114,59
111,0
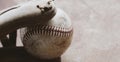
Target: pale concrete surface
x,y
96,30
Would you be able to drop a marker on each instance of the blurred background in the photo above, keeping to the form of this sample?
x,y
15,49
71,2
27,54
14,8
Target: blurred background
x,y
96,29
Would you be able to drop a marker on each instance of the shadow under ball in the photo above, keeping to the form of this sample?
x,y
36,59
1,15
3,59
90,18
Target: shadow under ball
x,y
49,40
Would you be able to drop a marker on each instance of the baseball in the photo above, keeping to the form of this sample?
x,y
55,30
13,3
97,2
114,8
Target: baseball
x,y
50,39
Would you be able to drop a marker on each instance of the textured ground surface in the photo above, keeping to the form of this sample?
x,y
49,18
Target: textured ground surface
x,y
96,29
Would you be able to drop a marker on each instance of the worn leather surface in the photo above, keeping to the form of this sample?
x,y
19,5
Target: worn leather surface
x,y
96,30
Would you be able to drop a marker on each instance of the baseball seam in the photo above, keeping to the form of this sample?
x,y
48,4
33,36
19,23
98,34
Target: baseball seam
x,y
48,30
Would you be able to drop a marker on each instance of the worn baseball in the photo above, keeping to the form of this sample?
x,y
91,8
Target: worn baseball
x,y
49,40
